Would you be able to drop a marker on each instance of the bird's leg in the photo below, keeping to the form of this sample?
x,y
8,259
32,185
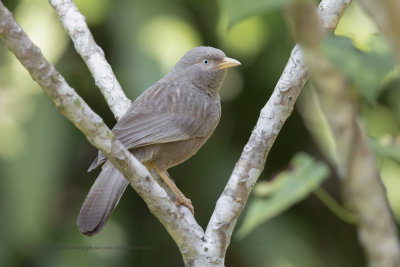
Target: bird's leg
x,y
181,199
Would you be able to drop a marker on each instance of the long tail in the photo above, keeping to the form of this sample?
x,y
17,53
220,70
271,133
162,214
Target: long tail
x,y
103,197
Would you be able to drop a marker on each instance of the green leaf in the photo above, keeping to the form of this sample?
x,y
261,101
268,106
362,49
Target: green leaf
x,y
388,146
238,10
305,175
365,69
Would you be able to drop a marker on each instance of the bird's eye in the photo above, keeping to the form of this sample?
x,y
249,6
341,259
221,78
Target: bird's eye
x,y
205,62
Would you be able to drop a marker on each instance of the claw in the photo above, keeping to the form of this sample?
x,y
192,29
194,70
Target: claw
x,y
186,202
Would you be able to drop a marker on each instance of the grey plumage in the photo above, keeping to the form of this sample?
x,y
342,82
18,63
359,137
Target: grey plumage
x,y
165,125
101,200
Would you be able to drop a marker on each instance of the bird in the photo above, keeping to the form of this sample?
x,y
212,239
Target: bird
x,y
163,127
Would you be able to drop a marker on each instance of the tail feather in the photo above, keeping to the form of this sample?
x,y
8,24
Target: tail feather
x,y
103,197
100,159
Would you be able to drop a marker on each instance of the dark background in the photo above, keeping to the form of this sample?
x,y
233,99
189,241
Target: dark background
x,y
44,158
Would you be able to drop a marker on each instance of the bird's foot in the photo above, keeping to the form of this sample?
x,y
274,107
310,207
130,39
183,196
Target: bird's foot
x,y
182,200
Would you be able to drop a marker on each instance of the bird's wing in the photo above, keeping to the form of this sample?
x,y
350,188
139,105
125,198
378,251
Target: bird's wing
x,y
145,129
165,113
166,118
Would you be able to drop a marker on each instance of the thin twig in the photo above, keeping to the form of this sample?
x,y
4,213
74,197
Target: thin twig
x,y
335,207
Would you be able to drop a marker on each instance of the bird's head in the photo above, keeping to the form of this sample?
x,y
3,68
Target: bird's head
x,y
204,67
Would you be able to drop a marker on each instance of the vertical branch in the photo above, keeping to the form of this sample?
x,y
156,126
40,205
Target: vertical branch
x,y
362,186
254,155
75,25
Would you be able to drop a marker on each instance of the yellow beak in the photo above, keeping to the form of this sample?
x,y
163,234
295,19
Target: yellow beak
x,y
228,63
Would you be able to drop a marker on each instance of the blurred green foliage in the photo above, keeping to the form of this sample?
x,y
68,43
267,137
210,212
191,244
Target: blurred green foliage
x,y
387,146
287,188
43,158
317,124
366,69
238,10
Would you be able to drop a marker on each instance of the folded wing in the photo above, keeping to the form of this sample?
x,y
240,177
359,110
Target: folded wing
x,y
157,117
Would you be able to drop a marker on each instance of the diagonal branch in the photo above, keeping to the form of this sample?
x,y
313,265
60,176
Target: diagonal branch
x,y
272,117
75,25
179,222
362,186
